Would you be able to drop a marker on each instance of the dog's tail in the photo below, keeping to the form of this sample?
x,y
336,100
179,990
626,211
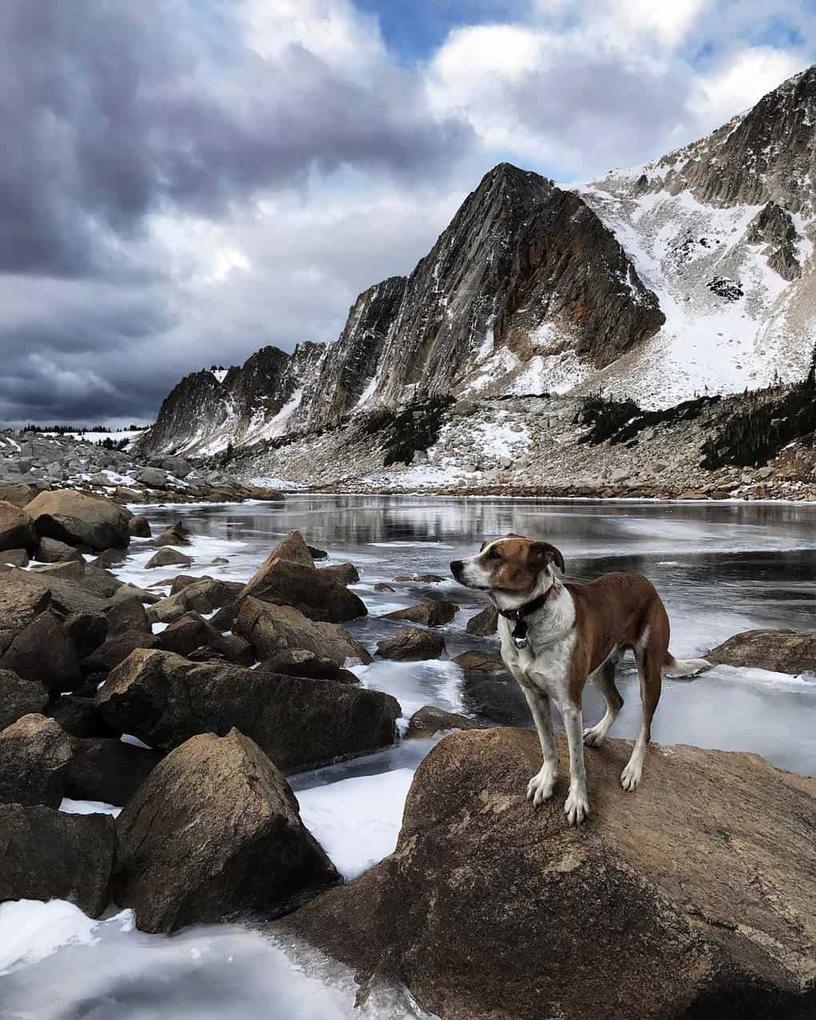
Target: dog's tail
x,y
689,667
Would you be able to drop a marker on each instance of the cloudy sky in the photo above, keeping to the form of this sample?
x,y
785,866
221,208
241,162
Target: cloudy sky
x,y
185,181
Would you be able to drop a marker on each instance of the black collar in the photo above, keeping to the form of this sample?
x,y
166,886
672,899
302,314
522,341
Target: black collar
x,y
520,616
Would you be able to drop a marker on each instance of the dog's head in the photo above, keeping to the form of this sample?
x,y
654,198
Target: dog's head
x,y
511,564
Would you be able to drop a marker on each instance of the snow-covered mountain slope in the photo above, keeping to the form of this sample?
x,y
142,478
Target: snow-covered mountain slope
x,y
722,231
690,274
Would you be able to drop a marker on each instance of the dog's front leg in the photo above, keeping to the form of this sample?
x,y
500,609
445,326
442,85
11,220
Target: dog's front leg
x,y
540,787
576,807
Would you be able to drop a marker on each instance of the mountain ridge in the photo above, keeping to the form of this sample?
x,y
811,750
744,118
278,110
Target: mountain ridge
x,y
688,274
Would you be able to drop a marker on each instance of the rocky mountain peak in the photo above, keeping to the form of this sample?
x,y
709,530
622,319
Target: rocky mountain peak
x,y
686,275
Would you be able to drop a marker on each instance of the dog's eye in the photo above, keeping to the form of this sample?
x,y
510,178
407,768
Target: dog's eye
x,y
493,554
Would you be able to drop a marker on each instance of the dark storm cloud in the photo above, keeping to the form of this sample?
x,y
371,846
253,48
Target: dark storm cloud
x,y
115,111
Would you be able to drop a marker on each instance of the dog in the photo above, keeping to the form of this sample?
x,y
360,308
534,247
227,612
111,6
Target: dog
x,y
556,635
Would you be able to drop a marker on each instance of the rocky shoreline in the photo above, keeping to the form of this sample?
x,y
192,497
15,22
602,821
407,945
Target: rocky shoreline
x,y
190,703
32,462
545,446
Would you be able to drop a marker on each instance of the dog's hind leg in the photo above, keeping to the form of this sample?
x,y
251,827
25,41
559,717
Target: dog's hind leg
x,y
650,656
604,680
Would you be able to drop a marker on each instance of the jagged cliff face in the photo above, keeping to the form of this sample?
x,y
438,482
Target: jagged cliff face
x,y
209,410
687,275
525,278
344,375
524,291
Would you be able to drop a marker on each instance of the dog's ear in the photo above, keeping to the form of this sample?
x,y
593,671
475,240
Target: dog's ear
x,y
542,554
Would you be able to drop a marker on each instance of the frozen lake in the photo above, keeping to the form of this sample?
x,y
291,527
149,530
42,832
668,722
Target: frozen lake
x,y
720,567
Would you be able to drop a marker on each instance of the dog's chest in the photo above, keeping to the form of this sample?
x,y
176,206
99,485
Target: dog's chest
x,y
544,655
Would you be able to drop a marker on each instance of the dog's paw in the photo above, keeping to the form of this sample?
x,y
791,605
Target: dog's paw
x,y
595,736
540,787
576,807
630,777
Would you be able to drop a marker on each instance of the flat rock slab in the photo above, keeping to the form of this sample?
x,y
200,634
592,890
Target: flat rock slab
x,y
215,830
692,897
47,854
783,651
164,700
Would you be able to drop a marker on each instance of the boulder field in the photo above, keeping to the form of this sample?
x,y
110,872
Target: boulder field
x,y
210,826
693,897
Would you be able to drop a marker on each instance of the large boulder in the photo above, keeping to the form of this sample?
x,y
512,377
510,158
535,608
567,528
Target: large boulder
x,y
71,570
139,527
90,594
215,829
16,528
116,648
80,519
783,651
434,613
33,639
153,478
51,550
19,697
188,632
299,662
293,547
431,719
202,595
693,897
34,752
345,573
16,493
164,699
411,645
270,628
315,593
484,623
78,716
48,854
167,556
476,661
107,769
176,534
15,557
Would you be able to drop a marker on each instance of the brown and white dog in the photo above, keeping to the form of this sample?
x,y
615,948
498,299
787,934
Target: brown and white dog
x,y
556,635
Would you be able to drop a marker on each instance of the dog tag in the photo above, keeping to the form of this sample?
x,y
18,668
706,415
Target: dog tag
x,y
520,634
